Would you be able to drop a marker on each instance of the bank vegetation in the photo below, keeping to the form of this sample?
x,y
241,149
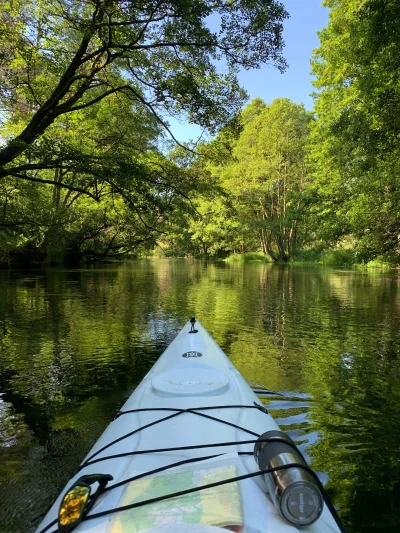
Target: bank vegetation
x,y
90,170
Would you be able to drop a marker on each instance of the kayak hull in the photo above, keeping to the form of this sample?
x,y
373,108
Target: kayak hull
x,y
192,373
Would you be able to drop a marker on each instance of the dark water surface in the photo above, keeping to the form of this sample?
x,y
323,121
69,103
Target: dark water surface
x,y
75,343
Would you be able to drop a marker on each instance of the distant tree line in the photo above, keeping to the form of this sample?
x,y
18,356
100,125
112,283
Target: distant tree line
x,y
90,170
260,174
288,179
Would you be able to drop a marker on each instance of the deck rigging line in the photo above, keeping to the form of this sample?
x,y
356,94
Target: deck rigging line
x,y
195,411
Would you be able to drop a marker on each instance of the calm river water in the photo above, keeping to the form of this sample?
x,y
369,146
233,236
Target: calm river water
x,y
75,343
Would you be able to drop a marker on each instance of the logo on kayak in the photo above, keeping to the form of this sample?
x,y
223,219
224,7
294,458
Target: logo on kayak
x,y
192,354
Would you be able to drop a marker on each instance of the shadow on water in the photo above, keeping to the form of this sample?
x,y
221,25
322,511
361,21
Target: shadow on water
x,y
75,343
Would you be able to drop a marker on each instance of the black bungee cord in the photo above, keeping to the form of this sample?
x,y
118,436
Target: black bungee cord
x,y
177,412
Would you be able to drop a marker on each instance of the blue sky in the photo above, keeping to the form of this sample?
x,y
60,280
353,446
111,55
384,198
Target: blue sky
x,y
300,34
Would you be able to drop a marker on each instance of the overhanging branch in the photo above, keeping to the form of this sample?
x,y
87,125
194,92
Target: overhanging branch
x,y
49,182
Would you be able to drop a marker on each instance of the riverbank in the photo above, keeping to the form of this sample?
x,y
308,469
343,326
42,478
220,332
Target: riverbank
x,y
342,257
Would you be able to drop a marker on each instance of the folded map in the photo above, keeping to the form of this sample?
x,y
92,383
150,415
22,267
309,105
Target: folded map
x,y
218,506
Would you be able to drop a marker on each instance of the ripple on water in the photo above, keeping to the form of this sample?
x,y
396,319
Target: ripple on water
x,y
291,413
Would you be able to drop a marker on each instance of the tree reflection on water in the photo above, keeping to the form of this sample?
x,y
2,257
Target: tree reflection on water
x,y
74,344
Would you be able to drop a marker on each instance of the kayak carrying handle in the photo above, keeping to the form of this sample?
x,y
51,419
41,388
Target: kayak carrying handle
x,y
193,321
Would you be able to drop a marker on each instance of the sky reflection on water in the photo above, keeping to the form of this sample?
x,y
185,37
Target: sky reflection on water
x,y
74,344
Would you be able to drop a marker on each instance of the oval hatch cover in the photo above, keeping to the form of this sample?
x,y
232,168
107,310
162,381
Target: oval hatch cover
x,y
190,382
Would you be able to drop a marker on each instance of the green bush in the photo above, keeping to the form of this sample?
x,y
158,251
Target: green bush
x,y
248,257
337,257
384,261
307,256
344,257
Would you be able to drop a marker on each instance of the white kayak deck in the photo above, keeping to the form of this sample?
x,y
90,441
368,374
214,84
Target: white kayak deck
x,y
183,379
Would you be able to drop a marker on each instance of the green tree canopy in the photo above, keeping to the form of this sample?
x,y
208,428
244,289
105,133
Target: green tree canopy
x,y
105,153
267,173
355,154
61,56
257,164
86,89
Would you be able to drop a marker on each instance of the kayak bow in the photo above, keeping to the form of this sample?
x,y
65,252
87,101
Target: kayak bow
x,y
187,442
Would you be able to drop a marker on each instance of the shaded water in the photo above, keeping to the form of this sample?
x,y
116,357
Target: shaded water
x,y
75,343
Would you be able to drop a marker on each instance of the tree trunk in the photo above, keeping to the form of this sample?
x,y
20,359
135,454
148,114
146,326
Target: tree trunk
x,y
50,235
292,240
283,256
262,242
57,189
271,253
